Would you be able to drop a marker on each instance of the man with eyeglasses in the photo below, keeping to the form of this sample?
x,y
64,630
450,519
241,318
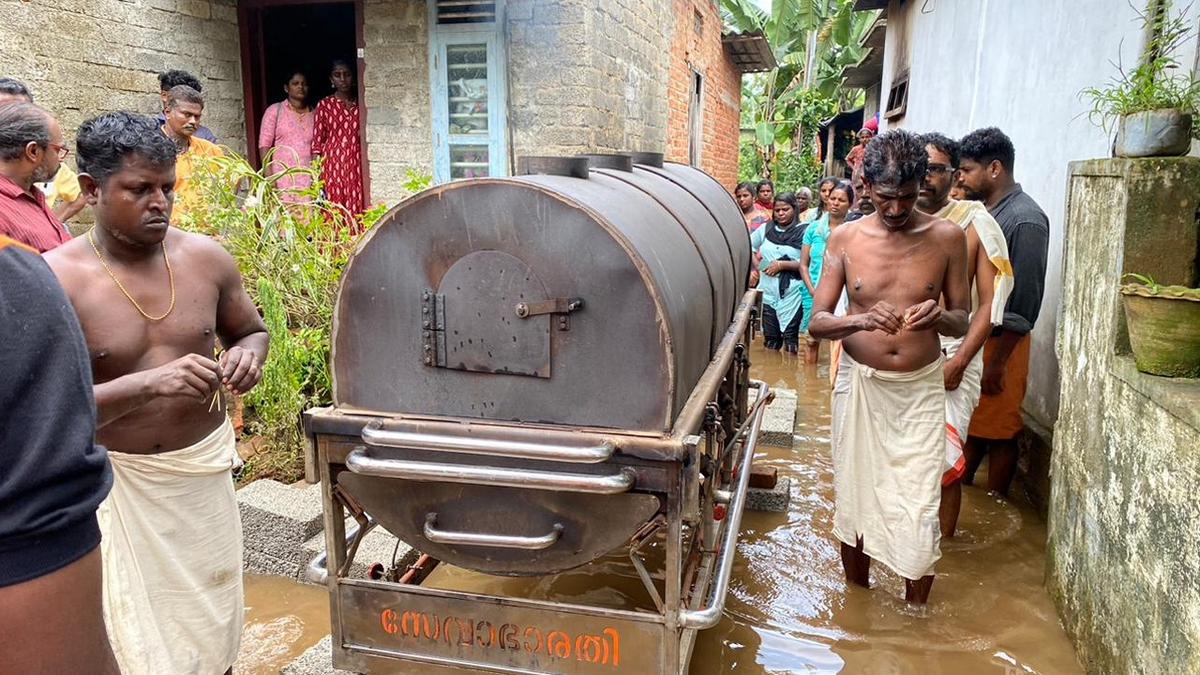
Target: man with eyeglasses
x,y
991,279
31,151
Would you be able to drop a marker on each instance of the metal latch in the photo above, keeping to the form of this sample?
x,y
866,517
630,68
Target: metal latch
x,y
560,306
433,328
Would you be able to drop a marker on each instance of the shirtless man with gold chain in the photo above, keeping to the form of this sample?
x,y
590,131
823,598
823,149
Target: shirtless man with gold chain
x,y
153,301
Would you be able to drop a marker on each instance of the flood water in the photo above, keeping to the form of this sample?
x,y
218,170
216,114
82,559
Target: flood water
x,y
790,609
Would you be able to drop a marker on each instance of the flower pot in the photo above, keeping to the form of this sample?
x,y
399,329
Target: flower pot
x,y
1164,329
1154,133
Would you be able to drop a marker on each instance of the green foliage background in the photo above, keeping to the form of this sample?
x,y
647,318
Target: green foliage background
x,y
291,256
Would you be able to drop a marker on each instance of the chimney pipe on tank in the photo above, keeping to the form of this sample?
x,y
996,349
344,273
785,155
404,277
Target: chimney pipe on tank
x,y
576,167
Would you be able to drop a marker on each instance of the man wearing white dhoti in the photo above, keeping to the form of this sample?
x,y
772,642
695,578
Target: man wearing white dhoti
x,y
990,274
153,301
888,436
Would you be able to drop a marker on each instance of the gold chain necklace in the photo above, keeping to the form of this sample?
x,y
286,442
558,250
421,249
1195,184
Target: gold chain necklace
x,y
170,279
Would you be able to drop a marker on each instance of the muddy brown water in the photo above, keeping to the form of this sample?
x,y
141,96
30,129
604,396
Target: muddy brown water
x,y
789,609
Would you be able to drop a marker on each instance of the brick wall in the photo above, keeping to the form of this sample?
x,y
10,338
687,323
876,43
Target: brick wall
x,y
396,92
696,45
84,57
587,76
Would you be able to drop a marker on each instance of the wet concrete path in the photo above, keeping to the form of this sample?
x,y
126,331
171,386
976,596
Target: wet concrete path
x,y
790,610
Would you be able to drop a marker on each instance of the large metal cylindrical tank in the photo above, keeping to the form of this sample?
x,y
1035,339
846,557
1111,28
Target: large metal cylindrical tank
x,y
594,299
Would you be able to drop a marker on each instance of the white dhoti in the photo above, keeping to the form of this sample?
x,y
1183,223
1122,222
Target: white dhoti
x,y
960,405
172,551
888,441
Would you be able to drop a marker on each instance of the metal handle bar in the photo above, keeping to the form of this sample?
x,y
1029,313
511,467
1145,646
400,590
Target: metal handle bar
x,y
702,619
491,540
374,434
358,461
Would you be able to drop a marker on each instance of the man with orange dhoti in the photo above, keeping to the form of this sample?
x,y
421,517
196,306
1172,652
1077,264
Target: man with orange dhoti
x,y
990,274
986,172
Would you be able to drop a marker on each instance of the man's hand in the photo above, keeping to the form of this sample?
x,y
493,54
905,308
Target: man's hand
x,y
952,373
191,376
993,378
922,316
753,278
240,370
882,316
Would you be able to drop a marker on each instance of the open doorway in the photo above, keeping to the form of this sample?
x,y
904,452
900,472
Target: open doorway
x,y
280,37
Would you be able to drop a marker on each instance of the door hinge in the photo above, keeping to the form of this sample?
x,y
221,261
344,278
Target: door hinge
x,y
433,328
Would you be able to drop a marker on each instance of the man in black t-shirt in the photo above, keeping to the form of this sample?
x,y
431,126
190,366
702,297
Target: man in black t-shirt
x,y
52,478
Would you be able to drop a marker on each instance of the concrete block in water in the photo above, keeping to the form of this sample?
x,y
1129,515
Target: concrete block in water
x,y
257,562
277,519
376,547
779,421
316,660
775,500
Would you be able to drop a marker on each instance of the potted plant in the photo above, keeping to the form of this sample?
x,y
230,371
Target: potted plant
x,y
1164,326
1153,106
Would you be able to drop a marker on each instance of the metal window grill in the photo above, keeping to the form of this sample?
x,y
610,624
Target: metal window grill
x,y
465,11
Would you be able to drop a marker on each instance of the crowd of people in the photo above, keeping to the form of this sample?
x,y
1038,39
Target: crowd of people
x,y
130,336
929,299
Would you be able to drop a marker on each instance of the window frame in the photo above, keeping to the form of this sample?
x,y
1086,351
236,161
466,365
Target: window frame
x,y
442,37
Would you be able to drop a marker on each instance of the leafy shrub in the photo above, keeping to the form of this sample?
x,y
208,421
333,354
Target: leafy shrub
x,y
291,256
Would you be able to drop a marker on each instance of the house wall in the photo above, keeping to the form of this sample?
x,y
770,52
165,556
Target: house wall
x,y
1124,562
396,91
84,57
703,52
1011,64
586,76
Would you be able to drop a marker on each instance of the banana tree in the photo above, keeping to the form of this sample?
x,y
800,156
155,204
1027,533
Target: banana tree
x,y
813,41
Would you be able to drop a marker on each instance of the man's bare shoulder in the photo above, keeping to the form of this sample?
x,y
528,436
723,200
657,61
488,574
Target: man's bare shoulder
x,y
72,260
198,247
947,232
845,232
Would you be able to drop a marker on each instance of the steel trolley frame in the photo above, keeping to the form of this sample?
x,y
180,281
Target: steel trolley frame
x,y
699,472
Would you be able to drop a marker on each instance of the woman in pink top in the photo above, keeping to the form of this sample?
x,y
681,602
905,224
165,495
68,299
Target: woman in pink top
x,y
287,129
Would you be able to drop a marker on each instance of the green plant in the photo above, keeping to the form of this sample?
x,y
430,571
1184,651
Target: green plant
x,y
291,255
1147,287
1156,82
813,41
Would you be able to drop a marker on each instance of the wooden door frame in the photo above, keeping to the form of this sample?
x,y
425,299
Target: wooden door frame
x,y
248,8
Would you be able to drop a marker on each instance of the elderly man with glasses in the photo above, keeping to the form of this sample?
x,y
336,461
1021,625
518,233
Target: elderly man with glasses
x,y
31,151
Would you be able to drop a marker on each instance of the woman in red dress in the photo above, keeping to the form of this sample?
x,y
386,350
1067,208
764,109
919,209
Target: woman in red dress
x,y
335,137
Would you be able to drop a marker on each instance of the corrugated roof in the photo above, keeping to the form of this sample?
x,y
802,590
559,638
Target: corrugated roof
x,y
750,52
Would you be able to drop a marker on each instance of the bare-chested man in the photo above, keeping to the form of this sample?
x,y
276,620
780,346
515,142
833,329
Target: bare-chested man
x,y
888,437
990,275
152,301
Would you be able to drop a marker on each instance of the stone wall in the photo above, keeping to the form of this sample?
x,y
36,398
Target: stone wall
x,y
84,57
396,92
587,76
696,46
1124,558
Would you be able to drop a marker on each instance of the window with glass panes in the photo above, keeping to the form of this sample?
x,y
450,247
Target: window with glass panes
x,y
467,71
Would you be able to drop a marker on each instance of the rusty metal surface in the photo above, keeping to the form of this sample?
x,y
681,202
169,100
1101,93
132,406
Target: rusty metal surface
x,y
426,626
403,508
677,278
482,329
723,208
597,379
553,166
705,233
621,162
